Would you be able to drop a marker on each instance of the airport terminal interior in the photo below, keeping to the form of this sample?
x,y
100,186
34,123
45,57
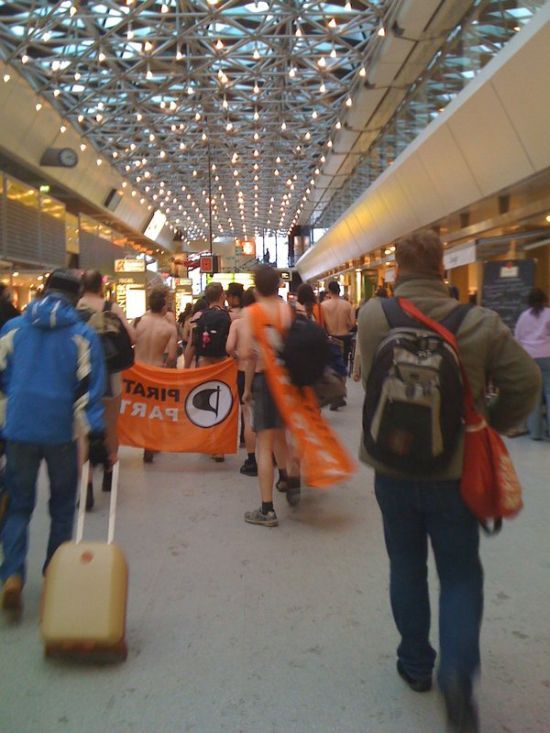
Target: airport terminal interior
x,y
177,143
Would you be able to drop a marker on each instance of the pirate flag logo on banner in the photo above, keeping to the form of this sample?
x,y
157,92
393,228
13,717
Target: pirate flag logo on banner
x,y
209,404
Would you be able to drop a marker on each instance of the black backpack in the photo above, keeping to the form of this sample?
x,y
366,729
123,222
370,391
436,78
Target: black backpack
x,y
414,405
115,340
211,331
305,351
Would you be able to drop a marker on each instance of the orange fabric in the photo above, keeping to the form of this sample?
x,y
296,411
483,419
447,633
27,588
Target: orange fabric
x,y
324,460
180,411
318,314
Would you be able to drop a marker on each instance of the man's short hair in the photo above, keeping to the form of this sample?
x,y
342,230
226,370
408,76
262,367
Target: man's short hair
x,y
334,287
420,253
213,292
92,281
157,298
266,280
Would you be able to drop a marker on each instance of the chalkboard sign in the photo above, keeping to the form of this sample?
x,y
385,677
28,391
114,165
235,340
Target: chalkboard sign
x,y
506,285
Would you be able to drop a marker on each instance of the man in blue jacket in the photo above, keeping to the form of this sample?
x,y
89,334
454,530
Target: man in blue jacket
x,y
52,379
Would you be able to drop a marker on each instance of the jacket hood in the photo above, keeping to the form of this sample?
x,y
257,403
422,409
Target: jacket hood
x,y
51,312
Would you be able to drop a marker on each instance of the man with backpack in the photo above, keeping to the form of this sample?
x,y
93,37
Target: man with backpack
x,y
210,333
211,329
117,336
413,437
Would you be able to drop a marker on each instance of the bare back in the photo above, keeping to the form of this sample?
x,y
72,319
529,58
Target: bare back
x,y
155,337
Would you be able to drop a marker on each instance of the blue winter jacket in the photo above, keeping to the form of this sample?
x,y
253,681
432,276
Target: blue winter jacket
x,y
52,374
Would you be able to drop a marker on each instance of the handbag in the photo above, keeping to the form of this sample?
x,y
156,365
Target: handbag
x,y
330,387
489,485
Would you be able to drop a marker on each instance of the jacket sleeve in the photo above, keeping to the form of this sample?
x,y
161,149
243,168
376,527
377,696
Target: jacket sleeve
x,y
91,381
516,376
372,327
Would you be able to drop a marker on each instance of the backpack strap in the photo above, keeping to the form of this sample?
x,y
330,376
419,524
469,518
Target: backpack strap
x,y
397,317
107,306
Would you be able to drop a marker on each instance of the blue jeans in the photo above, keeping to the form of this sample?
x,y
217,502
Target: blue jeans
x,y
534,421
22,463
414,511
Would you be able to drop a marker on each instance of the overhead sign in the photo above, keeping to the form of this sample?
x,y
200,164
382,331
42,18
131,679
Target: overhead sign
x,y
247,247
156,224
130,264
459,256
208,264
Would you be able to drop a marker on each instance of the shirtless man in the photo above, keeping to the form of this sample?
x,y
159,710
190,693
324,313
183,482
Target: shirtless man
x,y
156,339
339,319
268,424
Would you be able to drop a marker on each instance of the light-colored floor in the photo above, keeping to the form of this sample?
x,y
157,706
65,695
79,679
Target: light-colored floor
x,y
246,629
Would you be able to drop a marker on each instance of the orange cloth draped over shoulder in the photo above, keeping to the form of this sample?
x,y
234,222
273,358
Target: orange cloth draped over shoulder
x,y
324,460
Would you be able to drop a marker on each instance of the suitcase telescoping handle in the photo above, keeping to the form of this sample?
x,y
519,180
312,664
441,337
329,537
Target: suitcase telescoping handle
x,y
82,505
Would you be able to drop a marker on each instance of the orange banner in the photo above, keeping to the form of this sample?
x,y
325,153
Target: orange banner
x,y
323,459
180,410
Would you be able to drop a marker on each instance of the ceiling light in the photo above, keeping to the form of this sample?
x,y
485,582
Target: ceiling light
x,y
283,125
219,45
6,77
381,32
77,76
164,8
101,57
363,71
322,63
348,102
38,106
83,148
25,59
63,128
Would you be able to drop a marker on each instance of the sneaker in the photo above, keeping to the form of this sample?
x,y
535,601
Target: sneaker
x,y
417,684
462,715
293,490
90,497
107,481
249,468
12,593
258,517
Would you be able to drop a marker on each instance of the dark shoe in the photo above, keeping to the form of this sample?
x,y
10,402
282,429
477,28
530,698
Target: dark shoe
x,y
293,490
148,456
249,468
422,684
258,517
12,593
462,716
90,497
219,459
107,481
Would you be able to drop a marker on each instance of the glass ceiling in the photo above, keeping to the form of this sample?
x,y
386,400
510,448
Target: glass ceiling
x,y
468,48
167,91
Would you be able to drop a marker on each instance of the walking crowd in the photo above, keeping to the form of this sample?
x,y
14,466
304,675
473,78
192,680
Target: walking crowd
x,y
291,362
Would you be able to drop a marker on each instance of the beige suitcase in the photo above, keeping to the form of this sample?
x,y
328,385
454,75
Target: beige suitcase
x,y
85,593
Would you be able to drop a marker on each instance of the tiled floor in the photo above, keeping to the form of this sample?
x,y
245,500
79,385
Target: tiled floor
x,y
246,629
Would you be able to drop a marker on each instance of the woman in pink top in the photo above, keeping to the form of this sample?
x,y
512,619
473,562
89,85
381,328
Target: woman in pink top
x,y
533,333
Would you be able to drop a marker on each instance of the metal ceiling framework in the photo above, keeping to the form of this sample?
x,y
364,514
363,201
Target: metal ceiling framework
x,y
485,30
170,92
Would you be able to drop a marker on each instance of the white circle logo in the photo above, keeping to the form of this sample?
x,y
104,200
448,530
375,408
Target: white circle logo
x,y
209,404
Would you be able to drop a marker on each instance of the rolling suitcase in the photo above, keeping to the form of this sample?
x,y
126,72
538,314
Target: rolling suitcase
x,y
85,592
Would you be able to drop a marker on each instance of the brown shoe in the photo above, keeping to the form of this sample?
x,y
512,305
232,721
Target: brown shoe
x,y
12,593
